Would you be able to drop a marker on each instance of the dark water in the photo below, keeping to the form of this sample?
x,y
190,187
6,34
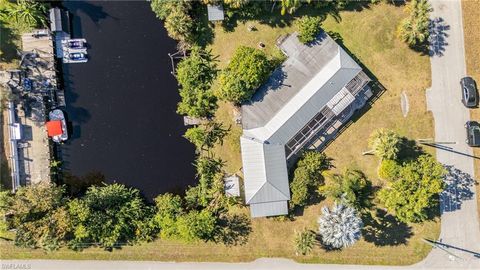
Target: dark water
x,y
122,102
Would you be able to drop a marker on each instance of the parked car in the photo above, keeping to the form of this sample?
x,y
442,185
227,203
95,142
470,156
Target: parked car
x,y
473,133
76,44
469,92
77,56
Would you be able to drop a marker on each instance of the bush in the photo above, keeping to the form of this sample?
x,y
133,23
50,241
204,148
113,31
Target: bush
x,y
308,28
110,216
389,169
196,225
304,242
247,70
307,177
416,189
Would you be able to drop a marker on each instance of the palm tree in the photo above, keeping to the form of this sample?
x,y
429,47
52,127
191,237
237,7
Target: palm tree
x,y
340,227
304,242
384,143
290,6
31,13
414,29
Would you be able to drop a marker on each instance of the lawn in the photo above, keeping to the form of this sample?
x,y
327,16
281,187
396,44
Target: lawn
x,y
471,24
369,35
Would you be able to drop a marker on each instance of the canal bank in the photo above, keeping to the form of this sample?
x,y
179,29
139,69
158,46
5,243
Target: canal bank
x,y
122,103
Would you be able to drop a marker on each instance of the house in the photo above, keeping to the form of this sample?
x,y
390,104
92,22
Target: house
x,y
318,85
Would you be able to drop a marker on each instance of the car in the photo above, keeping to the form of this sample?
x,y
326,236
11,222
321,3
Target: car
x,y
76,44
469,92
473,133
77,56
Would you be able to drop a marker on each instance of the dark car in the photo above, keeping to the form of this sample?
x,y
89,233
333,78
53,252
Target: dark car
x,y
473,133
469,92
76,44
77,56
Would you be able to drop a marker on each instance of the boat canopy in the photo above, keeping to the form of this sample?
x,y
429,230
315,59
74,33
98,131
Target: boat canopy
x,y
54,128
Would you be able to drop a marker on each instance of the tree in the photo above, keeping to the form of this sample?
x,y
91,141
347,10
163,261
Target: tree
x,y
352,188
308,28
206,136
247,70
210,191
340,227
289,6
389,169
110,216
385,143
195,75
415,190
168,208
196,225
414,30
304,242
236,3
179,25
27,12
39,216
307,176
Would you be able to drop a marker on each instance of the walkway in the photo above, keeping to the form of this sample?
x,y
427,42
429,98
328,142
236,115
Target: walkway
x,y
460,228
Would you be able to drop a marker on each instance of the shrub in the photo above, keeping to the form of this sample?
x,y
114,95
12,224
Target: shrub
x,y
247,70
340,227
304,242
308,28
389,169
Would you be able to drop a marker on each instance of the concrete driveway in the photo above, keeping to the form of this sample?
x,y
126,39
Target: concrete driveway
x,y
460,230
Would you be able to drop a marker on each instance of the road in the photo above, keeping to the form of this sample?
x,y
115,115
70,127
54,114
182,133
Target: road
x,y
460,227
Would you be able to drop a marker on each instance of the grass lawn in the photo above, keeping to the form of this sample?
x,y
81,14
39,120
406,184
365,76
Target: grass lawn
x,y
369,35
471,24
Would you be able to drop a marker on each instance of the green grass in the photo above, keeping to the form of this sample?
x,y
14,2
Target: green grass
x,y
369,35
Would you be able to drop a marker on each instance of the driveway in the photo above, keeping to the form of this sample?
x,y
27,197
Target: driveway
x,y
460,231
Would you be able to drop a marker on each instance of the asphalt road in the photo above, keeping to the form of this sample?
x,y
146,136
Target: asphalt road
x,y
460,227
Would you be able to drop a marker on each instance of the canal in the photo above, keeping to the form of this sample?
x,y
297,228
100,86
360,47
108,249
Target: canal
x,y
122,103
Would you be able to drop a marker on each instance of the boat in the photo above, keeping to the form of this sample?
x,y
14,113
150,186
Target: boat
x,y
57,126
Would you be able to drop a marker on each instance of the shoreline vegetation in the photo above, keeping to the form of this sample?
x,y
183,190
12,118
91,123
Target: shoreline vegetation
x,y
205,224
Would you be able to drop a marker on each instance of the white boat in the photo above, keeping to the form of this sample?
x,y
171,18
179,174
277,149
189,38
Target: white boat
x,y
57,126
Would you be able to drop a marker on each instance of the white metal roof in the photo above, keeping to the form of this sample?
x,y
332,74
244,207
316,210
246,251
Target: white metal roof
x,y
215,12
265,167
280,110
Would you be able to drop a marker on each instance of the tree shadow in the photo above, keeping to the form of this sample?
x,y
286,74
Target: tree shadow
x,y
78,185
233,230
409,150
437,39
458,188
383,229
8,48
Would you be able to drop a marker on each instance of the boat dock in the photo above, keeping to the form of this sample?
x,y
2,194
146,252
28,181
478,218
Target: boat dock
x,y
33,90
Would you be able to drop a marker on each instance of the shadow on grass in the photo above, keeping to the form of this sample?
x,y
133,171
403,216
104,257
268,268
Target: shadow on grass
x,y
382,229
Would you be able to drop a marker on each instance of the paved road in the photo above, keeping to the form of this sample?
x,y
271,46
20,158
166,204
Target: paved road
x,y
460,227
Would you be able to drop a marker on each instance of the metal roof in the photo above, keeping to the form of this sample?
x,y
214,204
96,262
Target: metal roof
x,y
59,20
264,165
215,12
313,76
